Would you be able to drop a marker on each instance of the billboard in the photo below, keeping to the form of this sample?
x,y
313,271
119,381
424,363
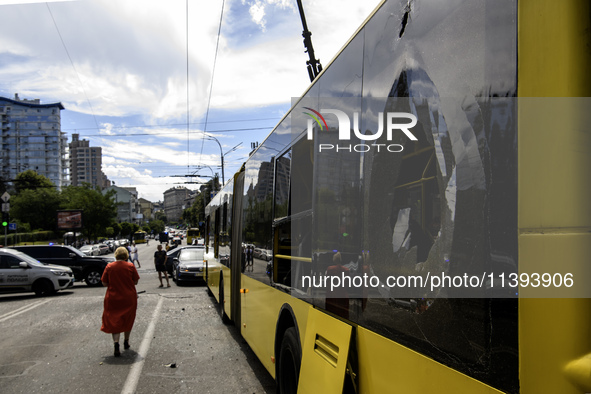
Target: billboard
x,y
69,220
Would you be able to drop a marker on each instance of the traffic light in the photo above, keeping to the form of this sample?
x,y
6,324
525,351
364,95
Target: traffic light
x,y
4,219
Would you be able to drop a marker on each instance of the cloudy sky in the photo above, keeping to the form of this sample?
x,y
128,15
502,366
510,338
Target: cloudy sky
x,y
135,76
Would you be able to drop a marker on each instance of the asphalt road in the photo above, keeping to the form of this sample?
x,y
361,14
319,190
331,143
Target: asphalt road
x,y
178,343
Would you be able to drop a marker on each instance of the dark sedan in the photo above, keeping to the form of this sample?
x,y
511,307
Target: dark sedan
x,y
173,253
189,265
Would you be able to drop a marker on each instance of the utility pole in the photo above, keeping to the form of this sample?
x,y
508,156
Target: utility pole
x,y
314,66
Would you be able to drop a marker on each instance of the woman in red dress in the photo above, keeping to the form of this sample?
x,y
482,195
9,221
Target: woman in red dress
x,y
120,278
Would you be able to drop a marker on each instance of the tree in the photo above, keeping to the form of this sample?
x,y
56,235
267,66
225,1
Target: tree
x,y
30,180
98,210
157,226
160,215
126,229
109,232
116,228
38,207
196,212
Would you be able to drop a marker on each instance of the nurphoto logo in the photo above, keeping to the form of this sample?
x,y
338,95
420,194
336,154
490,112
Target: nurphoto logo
x,y
394,122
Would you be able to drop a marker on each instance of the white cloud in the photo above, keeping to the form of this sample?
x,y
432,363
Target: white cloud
x,y
125,64
257,13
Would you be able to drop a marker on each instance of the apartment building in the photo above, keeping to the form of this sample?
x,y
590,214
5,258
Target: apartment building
x,y
86,164
146,209
32,139
174,203
128,206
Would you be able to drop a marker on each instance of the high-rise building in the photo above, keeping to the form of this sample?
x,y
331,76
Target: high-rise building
x,y
32,139
86,164
174,203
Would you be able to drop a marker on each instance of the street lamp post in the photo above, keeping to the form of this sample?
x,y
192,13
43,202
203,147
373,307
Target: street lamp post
x,y
222,155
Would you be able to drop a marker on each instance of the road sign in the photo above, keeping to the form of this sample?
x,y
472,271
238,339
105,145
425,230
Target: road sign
x,y
12,226
5,207
5,197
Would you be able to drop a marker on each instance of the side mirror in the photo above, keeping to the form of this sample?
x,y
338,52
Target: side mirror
x,y
22,264
72,255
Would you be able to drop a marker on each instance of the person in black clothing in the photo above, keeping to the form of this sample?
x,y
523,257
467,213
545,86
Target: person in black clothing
x,y
160,262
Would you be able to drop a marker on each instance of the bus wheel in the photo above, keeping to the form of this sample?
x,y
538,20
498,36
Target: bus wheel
x,y
290,358
225,318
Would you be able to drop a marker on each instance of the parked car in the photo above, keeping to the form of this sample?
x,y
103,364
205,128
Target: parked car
x,y
266,255
104,249
87,268
111,244
189,265
21,272
173,253
90,250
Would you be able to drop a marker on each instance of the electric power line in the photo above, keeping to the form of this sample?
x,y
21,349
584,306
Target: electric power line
x,y
168,133
175,125
212,75
72,63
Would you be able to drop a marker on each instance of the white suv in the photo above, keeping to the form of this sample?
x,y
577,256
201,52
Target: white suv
x,y
20,272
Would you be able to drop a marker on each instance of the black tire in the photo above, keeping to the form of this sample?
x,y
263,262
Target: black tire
x,y
225,318
93,278
288,366
43,287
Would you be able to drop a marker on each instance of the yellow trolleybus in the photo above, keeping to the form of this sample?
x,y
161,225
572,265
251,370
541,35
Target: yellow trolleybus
x,y
139,237
191,234
426,207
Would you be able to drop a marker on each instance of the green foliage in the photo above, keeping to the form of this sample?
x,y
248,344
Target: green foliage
x,y
38,236
126,230
37,207
160,215
116,229
98,210
30,180
157,226
196,212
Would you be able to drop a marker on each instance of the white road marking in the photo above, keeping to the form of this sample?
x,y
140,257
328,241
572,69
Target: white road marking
x,y
136,368
21,310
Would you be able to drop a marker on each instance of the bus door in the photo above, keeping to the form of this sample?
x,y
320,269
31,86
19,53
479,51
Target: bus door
x,y
236,252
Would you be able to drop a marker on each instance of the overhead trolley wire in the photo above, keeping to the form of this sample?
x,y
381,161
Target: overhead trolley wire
x,y
167,133
177,124
72,63
212,78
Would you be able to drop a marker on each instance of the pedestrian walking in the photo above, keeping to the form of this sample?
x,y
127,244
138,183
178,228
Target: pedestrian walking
x,y
160,258
120,278
134,255
249,256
